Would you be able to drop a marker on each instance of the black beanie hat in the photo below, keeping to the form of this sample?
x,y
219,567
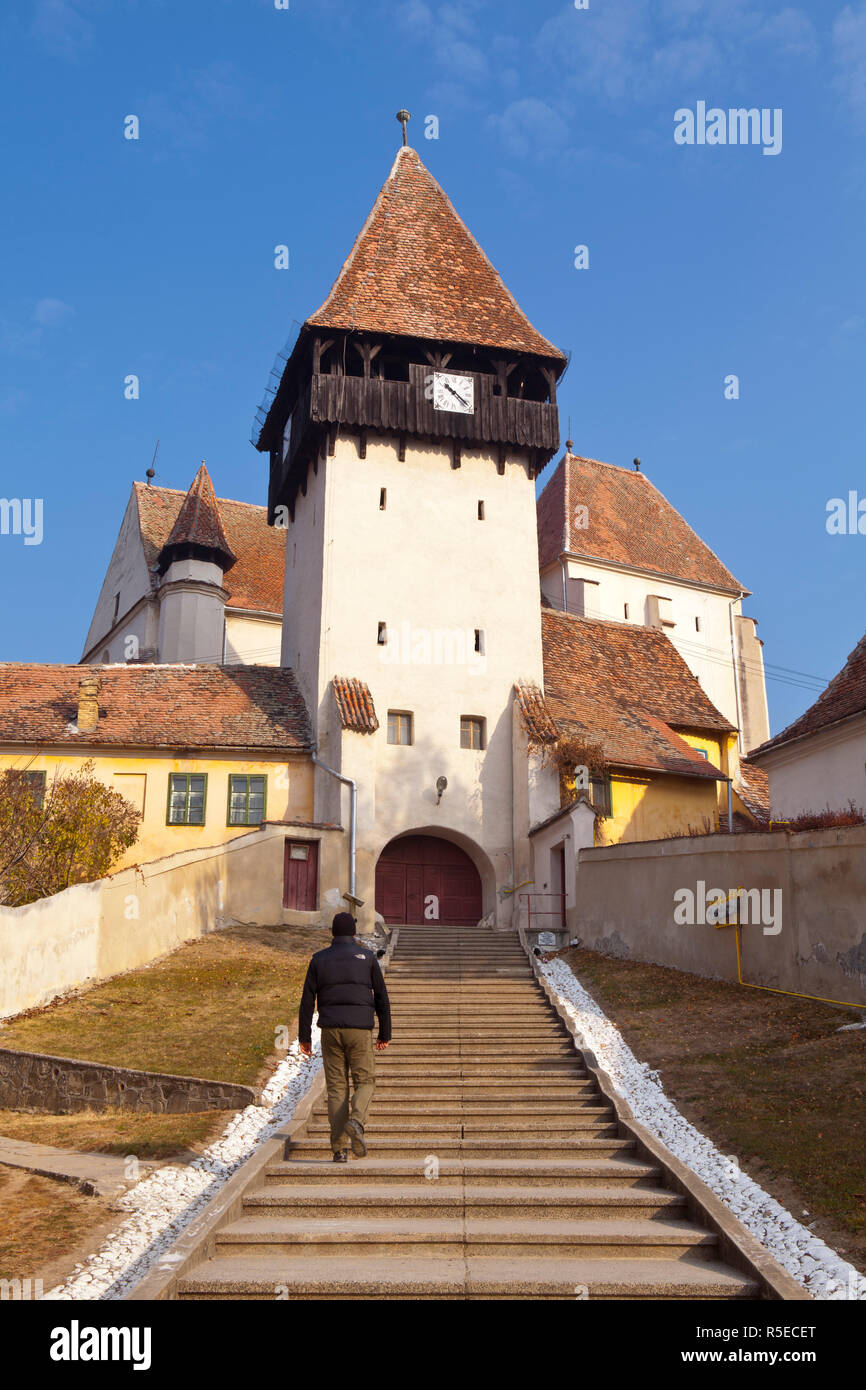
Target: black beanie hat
x,y
343,924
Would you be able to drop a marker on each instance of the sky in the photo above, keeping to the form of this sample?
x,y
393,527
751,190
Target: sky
x,y
264,124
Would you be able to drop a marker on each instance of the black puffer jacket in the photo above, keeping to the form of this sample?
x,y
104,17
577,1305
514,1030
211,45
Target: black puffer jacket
x,y
346,980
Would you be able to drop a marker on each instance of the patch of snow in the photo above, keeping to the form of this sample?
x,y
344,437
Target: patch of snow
x,y
163,1204
818,1268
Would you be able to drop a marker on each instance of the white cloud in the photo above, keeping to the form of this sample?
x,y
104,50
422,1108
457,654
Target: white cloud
x,y
849,51
61,28
50,312
531,127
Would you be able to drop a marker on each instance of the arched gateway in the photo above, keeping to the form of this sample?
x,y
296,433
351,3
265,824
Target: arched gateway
x,y
424,878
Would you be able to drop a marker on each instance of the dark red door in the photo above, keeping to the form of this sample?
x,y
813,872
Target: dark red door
x,y
420,878
301,875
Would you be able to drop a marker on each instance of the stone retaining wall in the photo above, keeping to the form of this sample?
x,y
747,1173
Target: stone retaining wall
x,y
64,1086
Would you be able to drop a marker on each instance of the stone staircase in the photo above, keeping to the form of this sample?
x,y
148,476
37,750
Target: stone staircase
x,y
496,1169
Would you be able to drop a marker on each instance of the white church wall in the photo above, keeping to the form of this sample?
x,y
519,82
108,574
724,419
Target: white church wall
x,y
126,583
252,641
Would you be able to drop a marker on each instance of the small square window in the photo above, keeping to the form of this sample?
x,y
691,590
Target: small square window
x,y
35,785
187,794
704,753
247,798
599,795
399,727
472,732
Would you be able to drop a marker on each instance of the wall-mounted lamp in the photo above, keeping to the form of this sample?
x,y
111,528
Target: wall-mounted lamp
x,y
441,784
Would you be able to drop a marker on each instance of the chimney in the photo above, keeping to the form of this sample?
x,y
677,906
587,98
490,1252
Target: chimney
x,y
88,704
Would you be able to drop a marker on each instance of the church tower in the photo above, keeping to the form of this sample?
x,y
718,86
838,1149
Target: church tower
x,y
413,416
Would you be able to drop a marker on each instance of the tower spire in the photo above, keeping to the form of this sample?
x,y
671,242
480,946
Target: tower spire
x,y
404,117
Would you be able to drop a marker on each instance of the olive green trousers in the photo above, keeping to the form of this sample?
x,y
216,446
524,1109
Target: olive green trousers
x,y
345,1052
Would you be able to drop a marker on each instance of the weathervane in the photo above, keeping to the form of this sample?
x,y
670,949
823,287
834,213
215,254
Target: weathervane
x,y
403,117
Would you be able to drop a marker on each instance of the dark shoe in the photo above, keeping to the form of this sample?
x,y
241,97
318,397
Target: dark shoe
x,y
341,1156
355,1131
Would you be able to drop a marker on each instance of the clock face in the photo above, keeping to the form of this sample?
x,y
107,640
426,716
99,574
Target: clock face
x,y
454,392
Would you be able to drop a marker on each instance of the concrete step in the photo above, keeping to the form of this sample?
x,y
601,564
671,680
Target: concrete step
x,y
505,1134
569,1172
306,1201
463,1277
478,1088
441,1146
510,1237
493,1114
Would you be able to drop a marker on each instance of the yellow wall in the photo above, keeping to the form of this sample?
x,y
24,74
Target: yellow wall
x,y
289,791
652,808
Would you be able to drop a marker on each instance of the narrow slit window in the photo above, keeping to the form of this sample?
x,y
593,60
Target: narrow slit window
x,y
479,641
382,637
480,510
697,624
625,611
383,498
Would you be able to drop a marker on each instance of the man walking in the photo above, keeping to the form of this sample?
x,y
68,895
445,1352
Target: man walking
x,y
347,982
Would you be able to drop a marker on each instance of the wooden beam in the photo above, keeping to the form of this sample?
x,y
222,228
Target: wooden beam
x,y
362,444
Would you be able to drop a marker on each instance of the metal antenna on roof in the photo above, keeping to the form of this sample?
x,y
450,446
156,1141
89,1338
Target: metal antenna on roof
x,y
403,117
151,472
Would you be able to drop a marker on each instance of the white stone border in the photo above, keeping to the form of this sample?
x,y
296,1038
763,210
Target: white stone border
x,y
815,1266
163,1204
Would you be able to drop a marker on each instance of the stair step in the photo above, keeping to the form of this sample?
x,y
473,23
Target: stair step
x,y
473,1276
450,1171
591,1203
512,1237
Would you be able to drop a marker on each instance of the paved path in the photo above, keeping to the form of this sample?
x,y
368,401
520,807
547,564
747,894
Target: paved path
x,y
496,1166
100,1174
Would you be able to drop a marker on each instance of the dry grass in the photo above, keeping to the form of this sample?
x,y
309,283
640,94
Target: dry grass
x,y
116,1132
47,1226
210,1009
769,1079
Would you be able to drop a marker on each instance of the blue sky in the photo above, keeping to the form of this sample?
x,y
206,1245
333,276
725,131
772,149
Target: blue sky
x,y
261,126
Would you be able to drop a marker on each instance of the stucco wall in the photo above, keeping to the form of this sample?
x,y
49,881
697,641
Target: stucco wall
x,y
626,905
95,930
826,769
252,641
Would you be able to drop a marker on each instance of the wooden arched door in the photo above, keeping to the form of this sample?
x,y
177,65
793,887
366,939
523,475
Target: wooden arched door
x,y
422,878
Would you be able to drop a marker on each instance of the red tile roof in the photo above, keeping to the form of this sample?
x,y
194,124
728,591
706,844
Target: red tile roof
x,y
628,689
844,697
752,786
415,270
249,707
199,524
536,717
355,705
627,522
256,578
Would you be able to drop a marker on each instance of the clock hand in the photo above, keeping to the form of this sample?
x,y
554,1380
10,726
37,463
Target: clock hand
x,y
455,393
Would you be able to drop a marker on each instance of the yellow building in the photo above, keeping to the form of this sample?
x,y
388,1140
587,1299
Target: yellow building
x,y
664,752
203,752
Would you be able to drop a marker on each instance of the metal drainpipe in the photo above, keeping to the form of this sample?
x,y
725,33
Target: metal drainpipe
x,y
353,816
564,567
730,806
